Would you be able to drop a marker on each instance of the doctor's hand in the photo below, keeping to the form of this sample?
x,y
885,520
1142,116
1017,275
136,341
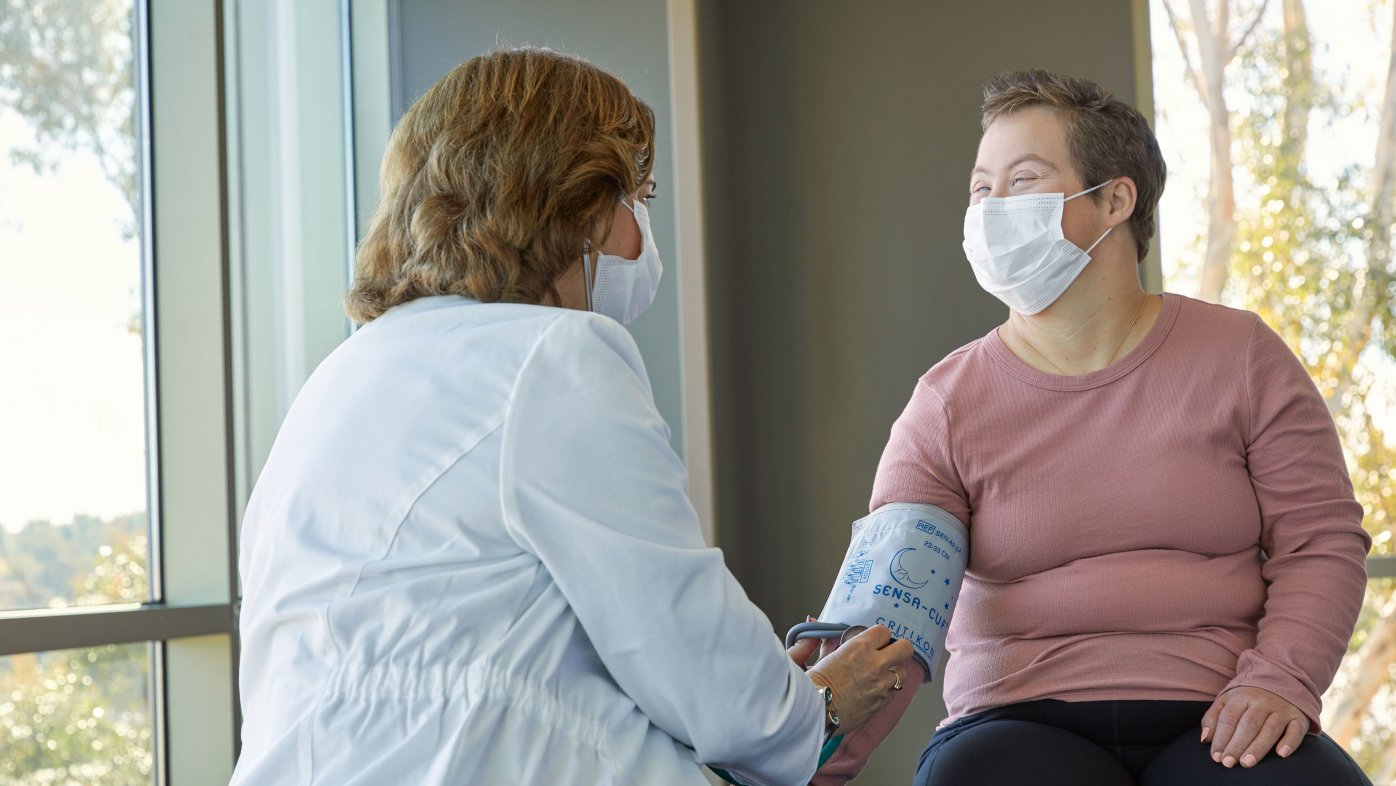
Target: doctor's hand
x,y
1244,723
803,650
864,674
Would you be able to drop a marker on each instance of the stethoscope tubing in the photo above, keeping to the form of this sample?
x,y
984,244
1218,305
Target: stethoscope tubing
x,y
819,630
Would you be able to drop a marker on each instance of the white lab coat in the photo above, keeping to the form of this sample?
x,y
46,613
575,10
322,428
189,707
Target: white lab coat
x,y
470,559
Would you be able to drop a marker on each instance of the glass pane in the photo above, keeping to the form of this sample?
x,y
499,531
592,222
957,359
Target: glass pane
x,y
77,717
1274,204
73,470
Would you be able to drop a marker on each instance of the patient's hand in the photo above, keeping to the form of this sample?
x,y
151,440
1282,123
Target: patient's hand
x,y
863,674
1244,724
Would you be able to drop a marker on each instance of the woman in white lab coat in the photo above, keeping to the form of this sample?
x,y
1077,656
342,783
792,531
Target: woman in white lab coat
x,y
470,558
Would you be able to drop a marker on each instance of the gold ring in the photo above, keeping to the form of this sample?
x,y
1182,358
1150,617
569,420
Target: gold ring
x,y
898,675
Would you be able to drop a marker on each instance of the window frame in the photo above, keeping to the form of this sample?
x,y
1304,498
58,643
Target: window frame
x,y
1381,567
190,621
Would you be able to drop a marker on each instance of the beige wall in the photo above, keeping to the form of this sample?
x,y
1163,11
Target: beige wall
x,y
837,140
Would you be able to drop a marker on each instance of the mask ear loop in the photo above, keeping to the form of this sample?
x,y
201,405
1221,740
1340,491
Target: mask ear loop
x,y
1097,240
1087,191
586,273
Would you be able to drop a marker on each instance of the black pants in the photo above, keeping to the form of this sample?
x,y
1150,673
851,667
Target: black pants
x,y
1110,743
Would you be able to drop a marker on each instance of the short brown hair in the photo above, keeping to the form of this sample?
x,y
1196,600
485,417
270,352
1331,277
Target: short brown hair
x,y
1105,137
494,179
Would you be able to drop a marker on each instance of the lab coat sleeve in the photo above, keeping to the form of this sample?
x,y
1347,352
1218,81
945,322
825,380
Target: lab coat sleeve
x,y
591,486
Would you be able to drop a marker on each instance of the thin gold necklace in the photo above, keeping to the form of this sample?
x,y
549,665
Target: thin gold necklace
x,y
1137,313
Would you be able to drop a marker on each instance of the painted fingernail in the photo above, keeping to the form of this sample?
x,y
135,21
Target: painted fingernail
x,y
1248,760
1204,733
1285,750
1229,761
809,618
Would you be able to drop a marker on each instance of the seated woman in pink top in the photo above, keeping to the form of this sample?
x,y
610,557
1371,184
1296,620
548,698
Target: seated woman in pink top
x,y
1166,558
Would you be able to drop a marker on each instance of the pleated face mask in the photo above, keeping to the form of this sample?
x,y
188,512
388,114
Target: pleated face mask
x,y
1018,252
624,288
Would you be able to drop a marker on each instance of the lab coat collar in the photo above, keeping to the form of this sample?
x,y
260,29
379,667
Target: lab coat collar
x,y
422,305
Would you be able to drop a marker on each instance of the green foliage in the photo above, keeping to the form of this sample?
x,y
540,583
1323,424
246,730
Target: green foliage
x,y
77,717
46,565
83,716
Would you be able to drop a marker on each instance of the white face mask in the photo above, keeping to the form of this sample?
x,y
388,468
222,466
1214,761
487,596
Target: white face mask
x,y
624,288
1016,247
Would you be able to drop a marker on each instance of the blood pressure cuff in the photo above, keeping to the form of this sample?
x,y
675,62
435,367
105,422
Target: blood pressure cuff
x,y
903,569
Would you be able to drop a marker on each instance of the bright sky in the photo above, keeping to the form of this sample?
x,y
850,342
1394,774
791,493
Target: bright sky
x,y
72,412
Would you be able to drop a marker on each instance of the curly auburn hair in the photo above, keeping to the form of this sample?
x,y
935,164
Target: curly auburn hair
x,y
496,177
1105,137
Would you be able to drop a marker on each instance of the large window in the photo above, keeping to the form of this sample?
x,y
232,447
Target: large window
x,y
1278,122
116,601
72,404
74,480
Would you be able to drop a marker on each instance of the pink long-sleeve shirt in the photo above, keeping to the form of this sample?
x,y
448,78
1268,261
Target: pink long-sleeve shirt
x,y
1174,525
